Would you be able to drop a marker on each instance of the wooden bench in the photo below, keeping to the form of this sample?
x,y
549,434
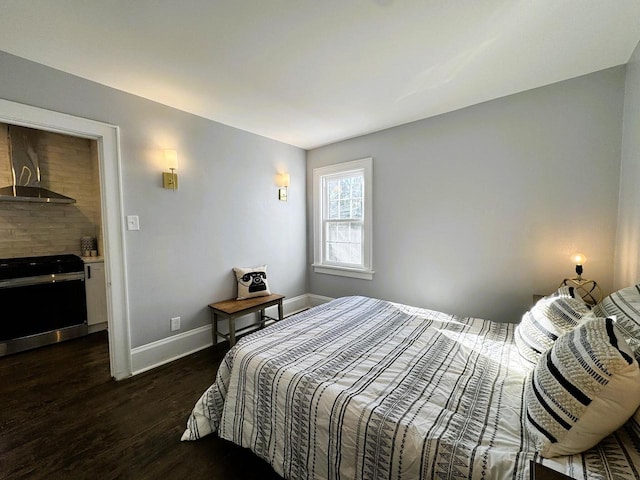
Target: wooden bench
x,y
232,309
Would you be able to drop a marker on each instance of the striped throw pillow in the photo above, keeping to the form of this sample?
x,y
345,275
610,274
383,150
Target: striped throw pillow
x,y
624,307
583,389
551,317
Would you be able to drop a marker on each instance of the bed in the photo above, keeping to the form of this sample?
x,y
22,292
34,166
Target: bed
x,y
365,388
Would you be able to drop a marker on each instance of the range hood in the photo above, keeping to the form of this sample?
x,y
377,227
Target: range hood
x,y
25,170
15,193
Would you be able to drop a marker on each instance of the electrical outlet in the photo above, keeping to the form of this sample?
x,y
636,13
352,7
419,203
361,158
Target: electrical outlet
x,y
133,222
175,324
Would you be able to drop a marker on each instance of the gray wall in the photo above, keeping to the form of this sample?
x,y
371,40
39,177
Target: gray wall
x,y
476,210
627,271
225,213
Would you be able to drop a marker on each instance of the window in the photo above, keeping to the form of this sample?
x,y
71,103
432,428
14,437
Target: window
x,y
342,219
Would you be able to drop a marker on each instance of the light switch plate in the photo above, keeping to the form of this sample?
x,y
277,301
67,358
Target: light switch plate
x,y
133,222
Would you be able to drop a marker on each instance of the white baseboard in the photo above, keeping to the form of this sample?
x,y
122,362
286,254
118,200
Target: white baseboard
x,y
315,300
97,327
163,351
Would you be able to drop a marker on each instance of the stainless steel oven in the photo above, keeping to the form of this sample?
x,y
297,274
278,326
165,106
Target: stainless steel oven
x,y
42,301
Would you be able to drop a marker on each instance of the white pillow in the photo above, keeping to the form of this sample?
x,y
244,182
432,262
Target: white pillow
x,y
584,388
624,307
550,317
252,282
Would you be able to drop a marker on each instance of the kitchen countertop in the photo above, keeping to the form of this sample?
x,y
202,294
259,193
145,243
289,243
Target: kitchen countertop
x,y
92,259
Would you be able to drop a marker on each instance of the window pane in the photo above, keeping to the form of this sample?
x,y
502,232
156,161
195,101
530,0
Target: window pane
x,y
338,232
345,197
333,187
356,209
343,232
355,254
344,242
345,187
331,256
345,209
355,232
345,251
338,252
333,210
356,187
332,233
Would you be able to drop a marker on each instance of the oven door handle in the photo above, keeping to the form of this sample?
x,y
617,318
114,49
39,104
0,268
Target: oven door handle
x,y
40,279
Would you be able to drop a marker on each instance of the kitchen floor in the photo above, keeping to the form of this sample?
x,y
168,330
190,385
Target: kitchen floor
x,y
62,416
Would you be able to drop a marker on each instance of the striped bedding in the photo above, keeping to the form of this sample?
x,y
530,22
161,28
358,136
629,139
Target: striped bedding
x,y
360,388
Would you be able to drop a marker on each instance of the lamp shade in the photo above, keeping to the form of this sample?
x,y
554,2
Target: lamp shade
x,y
171,159
283,180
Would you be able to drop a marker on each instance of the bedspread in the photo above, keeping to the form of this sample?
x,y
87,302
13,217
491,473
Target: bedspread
x,y
364,388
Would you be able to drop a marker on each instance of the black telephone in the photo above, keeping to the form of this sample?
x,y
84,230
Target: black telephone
x,y
256,281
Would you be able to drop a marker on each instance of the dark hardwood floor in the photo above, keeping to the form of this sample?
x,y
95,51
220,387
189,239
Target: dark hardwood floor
x,y
62,416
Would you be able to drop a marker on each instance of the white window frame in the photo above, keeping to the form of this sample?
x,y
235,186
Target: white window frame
x,y
320,265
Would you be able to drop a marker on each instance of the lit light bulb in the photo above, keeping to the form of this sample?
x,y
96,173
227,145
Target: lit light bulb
x,y
578,258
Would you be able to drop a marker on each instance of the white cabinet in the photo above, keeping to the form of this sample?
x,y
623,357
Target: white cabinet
x,y
96,288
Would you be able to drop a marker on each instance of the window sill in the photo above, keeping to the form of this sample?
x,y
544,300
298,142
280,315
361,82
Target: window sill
x,y
343,271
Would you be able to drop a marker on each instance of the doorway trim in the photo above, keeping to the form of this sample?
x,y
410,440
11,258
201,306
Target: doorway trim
x,y
108,139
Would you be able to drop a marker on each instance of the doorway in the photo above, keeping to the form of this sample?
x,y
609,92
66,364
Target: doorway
x,y
107,137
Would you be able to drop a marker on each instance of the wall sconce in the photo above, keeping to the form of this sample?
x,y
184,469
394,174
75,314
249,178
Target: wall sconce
x,y
170,180
283,185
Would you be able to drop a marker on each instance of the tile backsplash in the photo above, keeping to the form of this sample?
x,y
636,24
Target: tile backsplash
x,y
69,165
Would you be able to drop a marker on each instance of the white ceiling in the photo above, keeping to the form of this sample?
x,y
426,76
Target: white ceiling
x,y
313,72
